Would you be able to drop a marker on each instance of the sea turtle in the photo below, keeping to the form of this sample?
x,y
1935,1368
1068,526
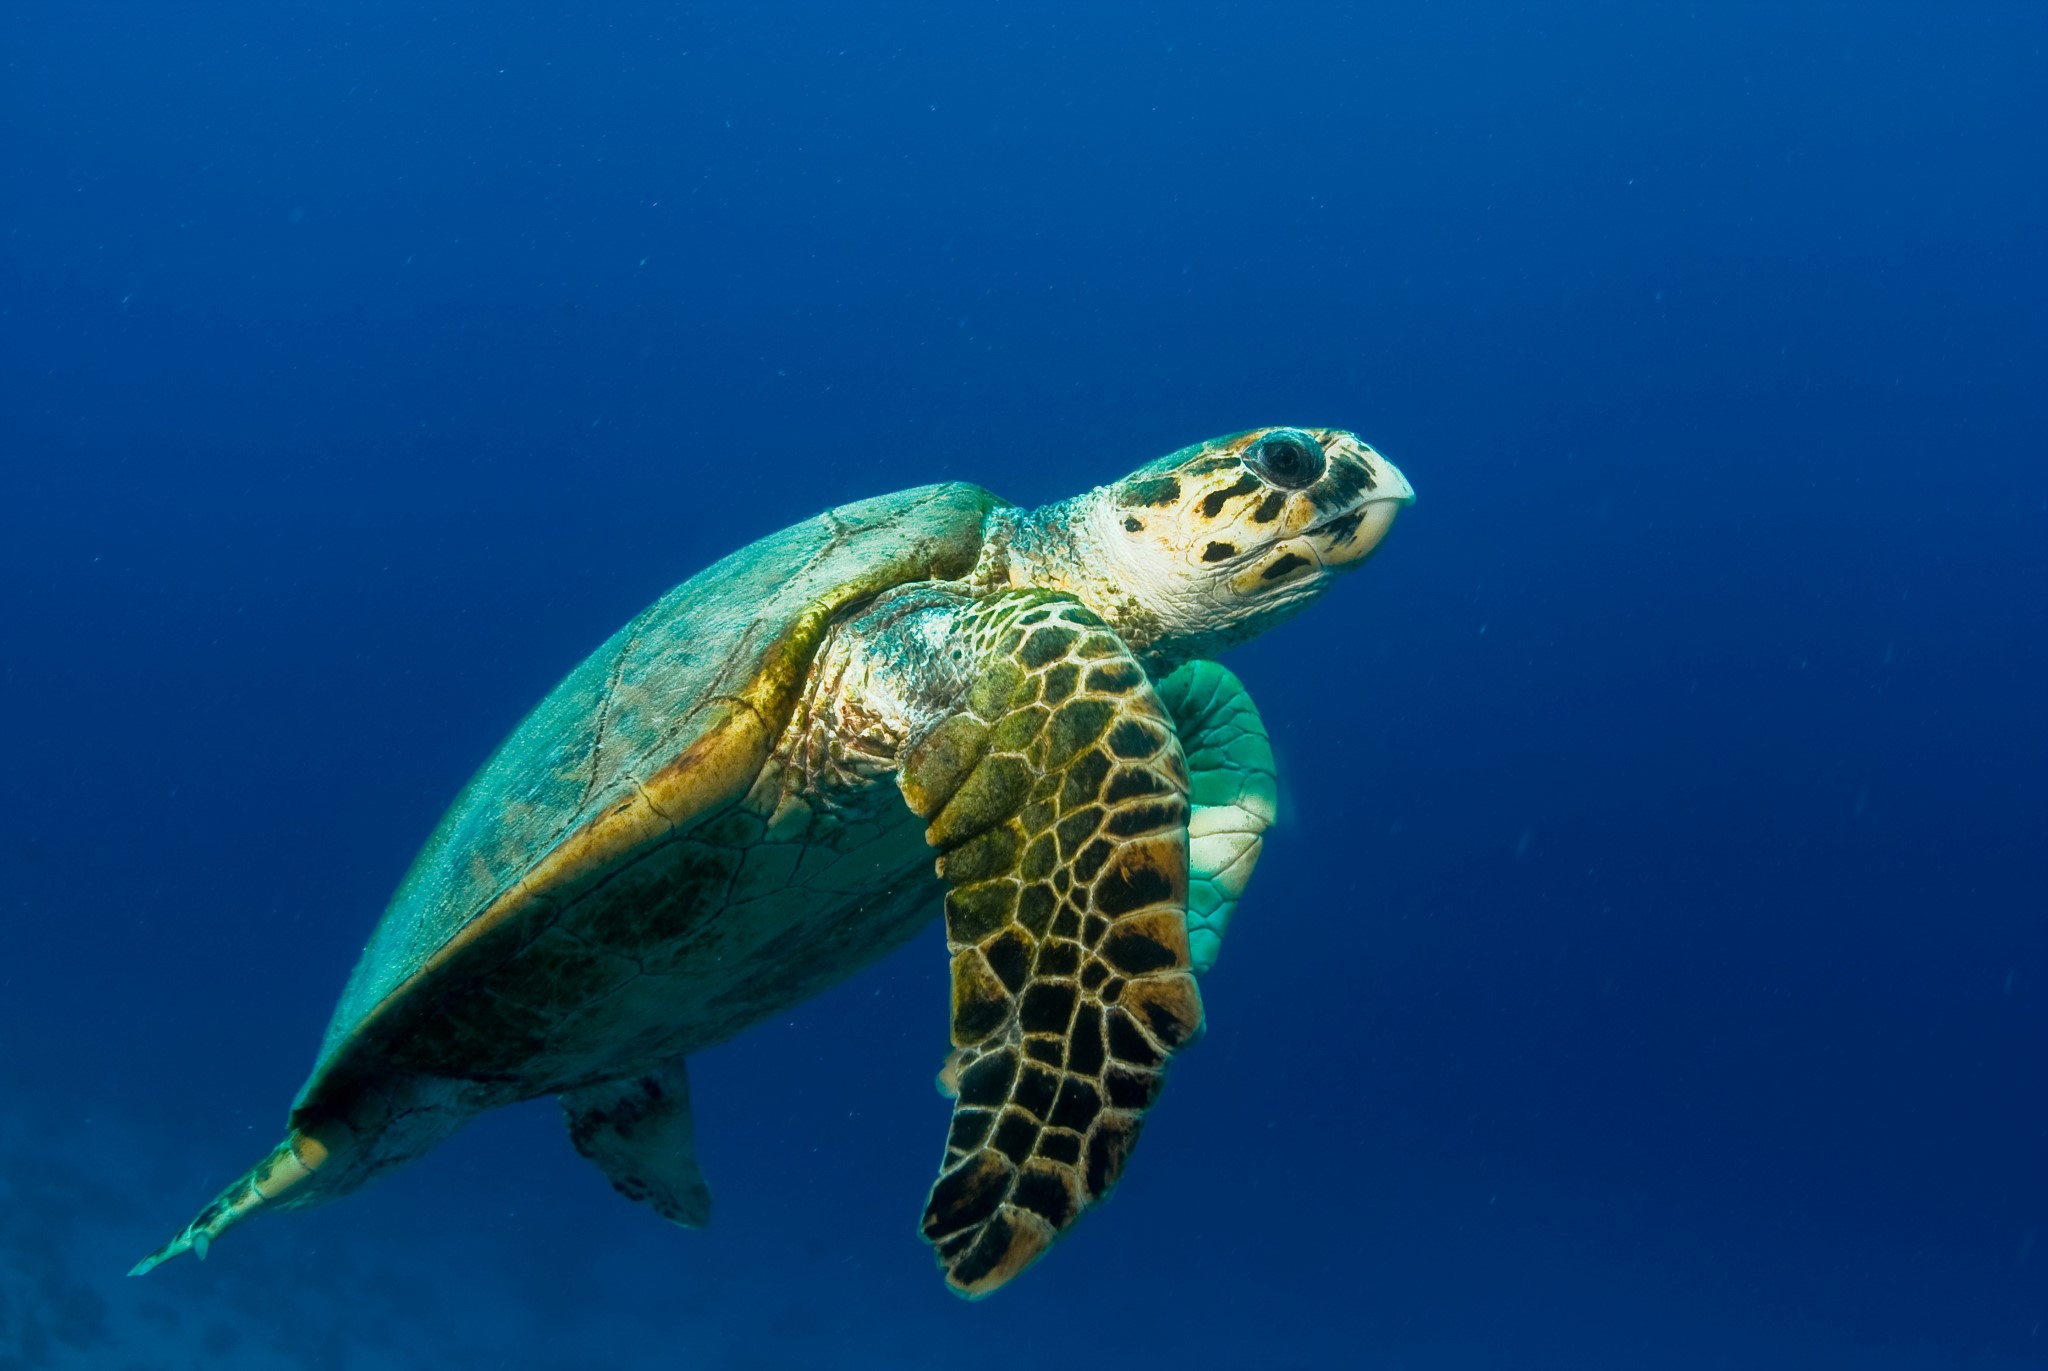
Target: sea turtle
x,y
735,802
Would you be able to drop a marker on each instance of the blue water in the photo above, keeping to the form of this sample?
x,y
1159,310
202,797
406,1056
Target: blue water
x,y
1651,970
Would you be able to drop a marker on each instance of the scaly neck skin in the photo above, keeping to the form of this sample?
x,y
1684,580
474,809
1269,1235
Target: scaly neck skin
x,y
1060,547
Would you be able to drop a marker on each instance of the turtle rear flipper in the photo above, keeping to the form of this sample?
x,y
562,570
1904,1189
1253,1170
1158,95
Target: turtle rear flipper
x,y
337,1141
1058,798
290,1165
640,1134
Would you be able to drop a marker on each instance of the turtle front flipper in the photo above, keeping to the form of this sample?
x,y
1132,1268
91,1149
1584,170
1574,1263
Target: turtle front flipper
x,y
1234,789
1058,799
640,1134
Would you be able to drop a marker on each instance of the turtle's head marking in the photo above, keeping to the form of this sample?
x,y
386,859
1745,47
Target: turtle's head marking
x,y
1220,541
1225,539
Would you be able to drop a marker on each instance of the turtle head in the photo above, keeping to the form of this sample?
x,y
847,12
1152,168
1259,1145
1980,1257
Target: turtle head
x,y
1218,542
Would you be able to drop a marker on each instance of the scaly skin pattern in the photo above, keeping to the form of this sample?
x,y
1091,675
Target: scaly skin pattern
x,y
698,829
1058,797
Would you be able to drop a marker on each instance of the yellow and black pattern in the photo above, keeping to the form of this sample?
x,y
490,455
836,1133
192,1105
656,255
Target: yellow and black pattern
x,y
1058,798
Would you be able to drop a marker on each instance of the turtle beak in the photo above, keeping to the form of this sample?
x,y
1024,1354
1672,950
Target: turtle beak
x,y
1349,540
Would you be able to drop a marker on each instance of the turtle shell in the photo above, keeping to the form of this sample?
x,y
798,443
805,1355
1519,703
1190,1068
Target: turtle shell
x,y
673,716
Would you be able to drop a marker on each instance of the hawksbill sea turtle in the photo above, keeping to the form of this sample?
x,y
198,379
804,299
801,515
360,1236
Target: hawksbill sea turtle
x,y
735,802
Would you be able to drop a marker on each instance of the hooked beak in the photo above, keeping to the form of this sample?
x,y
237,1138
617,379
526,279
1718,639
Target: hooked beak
x,y
1348,540
1336,544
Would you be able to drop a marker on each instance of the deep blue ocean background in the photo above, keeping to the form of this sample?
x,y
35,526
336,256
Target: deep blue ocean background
x,y
1651,970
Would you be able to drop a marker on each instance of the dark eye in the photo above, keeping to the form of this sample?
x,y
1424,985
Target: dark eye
x,y
1286,457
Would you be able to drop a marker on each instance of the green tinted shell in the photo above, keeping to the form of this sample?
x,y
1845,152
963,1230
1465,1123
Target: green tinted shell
x,y
673,715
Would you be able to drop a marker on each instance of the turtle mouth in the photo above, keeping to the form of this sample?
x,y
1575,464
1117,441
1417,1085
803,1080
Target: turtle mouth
x,y
1336,544
1350,538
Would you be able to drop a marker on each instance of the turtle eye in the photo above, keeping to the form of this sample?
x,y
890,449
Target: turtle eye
x,y
1286,457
